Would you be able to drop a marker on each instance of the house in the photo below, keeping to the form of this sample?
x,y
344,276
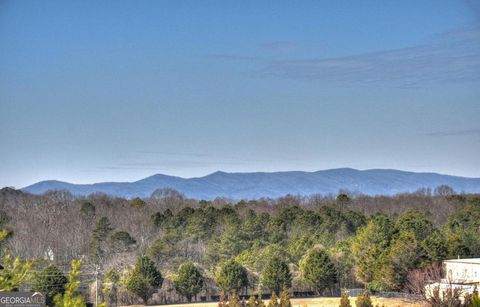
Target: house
x,y
460,274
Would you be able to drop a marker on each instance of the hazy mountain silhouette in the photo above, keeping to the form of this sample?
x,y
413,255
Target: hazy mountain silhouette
x,y
275,184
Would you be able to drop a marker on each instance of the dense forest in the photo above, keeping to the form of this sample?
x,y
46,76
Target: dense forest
x,y
167,248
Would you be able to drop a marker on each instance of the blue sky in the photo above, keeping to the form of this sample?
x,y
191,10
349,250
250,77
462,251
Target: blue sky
x,y
118,90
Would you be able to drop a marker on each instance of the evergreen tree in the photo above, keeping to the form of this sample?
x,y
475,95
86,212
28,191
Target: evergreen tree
x,y
401,257
71,298
255,301
344,300
369,243
188,281
137,202
88,211
221,302
318,270
363,300
285,298
102,229
435,246
98,243
415,222
139,285
342,200
273,300
276,274
475,299
14,272
234,300
121,241
145,279
50,281
232,276
147,269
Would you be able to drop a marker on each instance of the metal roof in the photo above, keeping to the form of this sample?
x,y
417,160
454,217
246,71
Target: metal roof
x,y
466,260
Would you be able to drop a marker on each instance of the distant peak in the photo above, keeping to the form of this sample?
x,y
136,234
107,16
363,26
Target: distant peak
x,y
218,173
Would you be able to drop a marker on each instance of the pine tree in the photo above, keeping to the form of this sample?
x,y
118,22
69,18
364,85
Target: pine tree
x,y
276,274
234,300
14,272
273,300
251,301
231,276
255,300
364,300
285,298
145,279
100,234
71,298
221,302
188,281
344,301
50,281
318,270
475,300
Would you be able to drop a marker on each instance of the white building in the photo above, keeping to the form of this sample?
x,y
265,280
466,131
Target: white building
x,y
461,274
462,271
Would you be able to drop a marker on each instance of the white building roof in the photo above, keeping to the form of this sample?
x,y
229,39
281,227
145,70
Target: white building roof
x,y
466,260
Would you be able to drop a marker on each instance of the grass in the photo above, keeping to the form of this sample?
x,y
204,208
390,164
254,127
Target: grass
x,y
326,302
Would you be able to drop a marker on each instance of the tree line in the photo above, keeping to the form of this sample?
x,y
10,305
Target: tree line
x,y
168,248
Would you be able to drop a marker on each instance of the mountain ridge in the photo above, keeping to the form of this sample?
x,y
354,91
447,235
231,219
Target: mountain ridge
x,y
252,185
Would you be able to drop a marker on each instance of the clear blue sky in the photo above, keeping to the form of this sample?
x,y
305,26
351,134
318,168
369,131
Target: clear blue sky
x,y
118,90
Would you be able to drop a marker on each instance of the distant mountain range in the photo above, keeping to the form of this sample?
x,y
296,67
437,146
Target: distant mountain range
x,y
273,185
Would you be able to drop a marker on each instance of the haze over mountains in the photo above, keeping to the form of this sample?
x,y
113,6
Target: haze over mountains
x,y
275,184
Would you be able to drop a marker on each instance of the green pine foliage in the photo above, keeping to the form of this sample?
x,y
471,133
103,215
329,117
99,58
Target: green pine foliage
x,y
234,300
137,202
475,299
98,244
273,301
145,279
50,281
368,245
255,301
318,270
14,271
232,276
276,274
363,300
188,281
71,297
344,300
285,298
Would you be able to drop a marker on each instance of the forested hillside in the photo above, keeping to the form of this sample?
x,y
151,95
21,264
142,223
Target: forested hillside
x,y
168,248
